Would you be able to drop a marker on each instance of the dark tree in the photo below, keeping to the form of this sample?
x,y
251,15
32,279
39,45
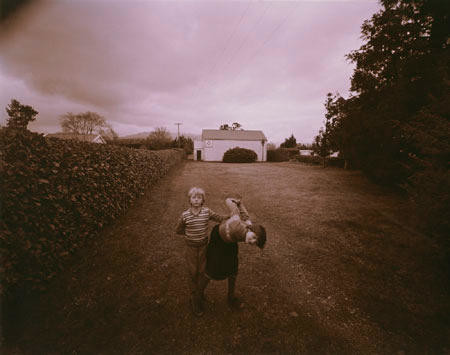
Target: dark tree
x,y
20,115
9,7
184,142
395,125
236,126
401,72
290,142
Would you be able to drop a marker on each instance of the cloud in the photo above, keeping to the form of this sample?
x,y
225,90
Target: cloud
x,y
153,63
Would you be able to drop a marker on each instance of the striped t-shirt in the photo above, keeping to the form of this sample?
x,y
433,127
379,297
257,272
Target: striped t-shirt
x,y
195,226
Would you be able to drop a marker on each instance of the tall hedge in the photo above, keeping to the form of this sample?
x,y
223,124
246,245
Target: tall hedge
x,y
56,194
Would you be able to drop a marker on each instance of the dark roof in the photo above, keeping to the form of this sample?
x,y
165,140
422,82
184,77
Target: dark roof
x,y
236,135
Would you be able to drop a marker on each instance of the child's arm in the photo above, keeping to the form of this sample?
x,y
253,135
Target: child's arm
x,y
181,226
243,213
217,217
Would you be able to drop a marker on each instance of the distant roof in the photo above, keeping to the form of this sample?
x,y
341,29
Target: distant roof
x,y
78,137
236,135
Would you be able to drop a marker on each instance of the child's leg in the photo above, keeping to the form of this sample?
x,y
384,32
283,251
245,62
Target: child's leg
x,y
233,301
191,262
231,287
202,280
196,260
203,283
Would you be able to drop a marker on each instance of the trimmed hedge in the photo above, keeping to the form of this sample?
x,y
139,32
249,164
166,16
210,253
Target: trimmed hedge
x,y
309,159
316,160
239,155
277,155
57,193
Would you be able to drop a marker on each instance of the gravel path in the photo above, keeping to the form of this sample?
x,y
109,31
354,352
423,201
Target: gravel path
x,y
343,272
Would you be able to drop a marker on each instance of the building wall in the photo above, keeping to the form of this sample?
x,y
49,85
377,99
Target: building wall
x,y
306,152
198,147
215,151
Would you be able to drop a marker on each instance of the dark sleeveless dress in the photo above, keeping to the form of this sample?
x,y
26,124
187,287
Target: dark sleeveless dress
x,y
221,258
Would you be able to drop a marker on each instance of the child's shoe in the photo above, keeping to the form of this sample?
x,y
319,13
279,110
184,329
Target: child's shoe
x,y
197,307
235,303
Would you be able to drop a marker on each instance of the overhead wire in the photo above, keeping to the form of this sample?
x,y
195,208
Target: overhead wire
x,y
242,41
247,37
215,65
222,52
265,42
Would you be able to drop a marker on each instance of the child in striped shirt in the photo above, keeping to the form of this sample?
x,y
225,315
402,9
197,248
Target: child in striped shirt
x,y
193,224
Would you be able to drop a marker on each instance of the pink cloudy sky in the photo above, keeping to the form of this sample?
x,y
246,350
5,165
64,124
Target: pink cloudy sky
x,y
144,64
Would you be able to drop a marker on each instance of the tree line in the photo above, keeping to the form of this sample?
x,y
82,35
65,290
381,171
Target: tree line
x,y
158,139
19,116
395,125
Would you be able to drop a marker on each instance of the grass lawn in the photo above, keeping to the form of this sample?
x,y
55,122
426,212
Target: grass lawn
x,y
344,271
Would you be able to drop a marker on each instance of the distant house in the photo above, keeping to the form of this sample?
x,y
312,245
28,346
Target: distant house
x,y
311,152
91,138
215,142
306,152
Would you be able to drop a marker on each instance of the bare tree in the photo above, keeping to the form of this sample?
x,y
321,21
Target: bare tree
x,y
160,138
83,123
108,132
271,146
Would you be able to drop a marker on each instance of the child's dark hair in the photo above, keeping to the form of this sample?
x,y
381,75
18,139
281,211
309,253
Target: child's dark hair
x,y
260,234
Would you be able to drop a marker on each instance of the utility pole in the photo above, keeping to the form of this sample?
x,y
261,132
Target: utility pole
x,y
178,135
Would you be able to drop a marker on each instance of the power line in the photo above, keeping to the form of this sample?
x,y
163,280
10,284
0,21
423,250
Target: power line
x,y
248,35
227,42
264,43
245,38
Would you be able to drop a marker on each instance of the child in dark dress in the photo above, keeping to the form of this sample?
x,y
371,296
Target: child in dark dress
x,y
193,224
222,251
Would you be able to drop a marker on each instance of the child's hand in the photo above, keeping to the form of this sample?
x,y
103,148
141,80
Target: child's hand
x,y
237,202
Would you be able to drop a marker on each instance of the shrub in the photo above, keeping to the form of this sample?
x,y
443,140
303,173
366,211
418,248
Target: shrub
x,y
277,155
309,159
316,160
291,152
335,161
58,193
239,155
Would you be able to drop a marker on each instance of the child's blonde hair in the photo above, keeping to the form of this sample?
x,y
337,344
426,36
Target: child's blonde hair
x,y
196,191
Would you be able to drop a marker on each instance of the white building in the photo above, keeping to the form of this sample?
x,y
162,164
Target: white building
x,y
306,152
215,142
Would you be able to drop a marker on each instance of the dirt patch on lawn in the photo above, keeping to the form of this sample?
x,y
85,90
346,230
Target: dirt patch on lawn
x,y
344,271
